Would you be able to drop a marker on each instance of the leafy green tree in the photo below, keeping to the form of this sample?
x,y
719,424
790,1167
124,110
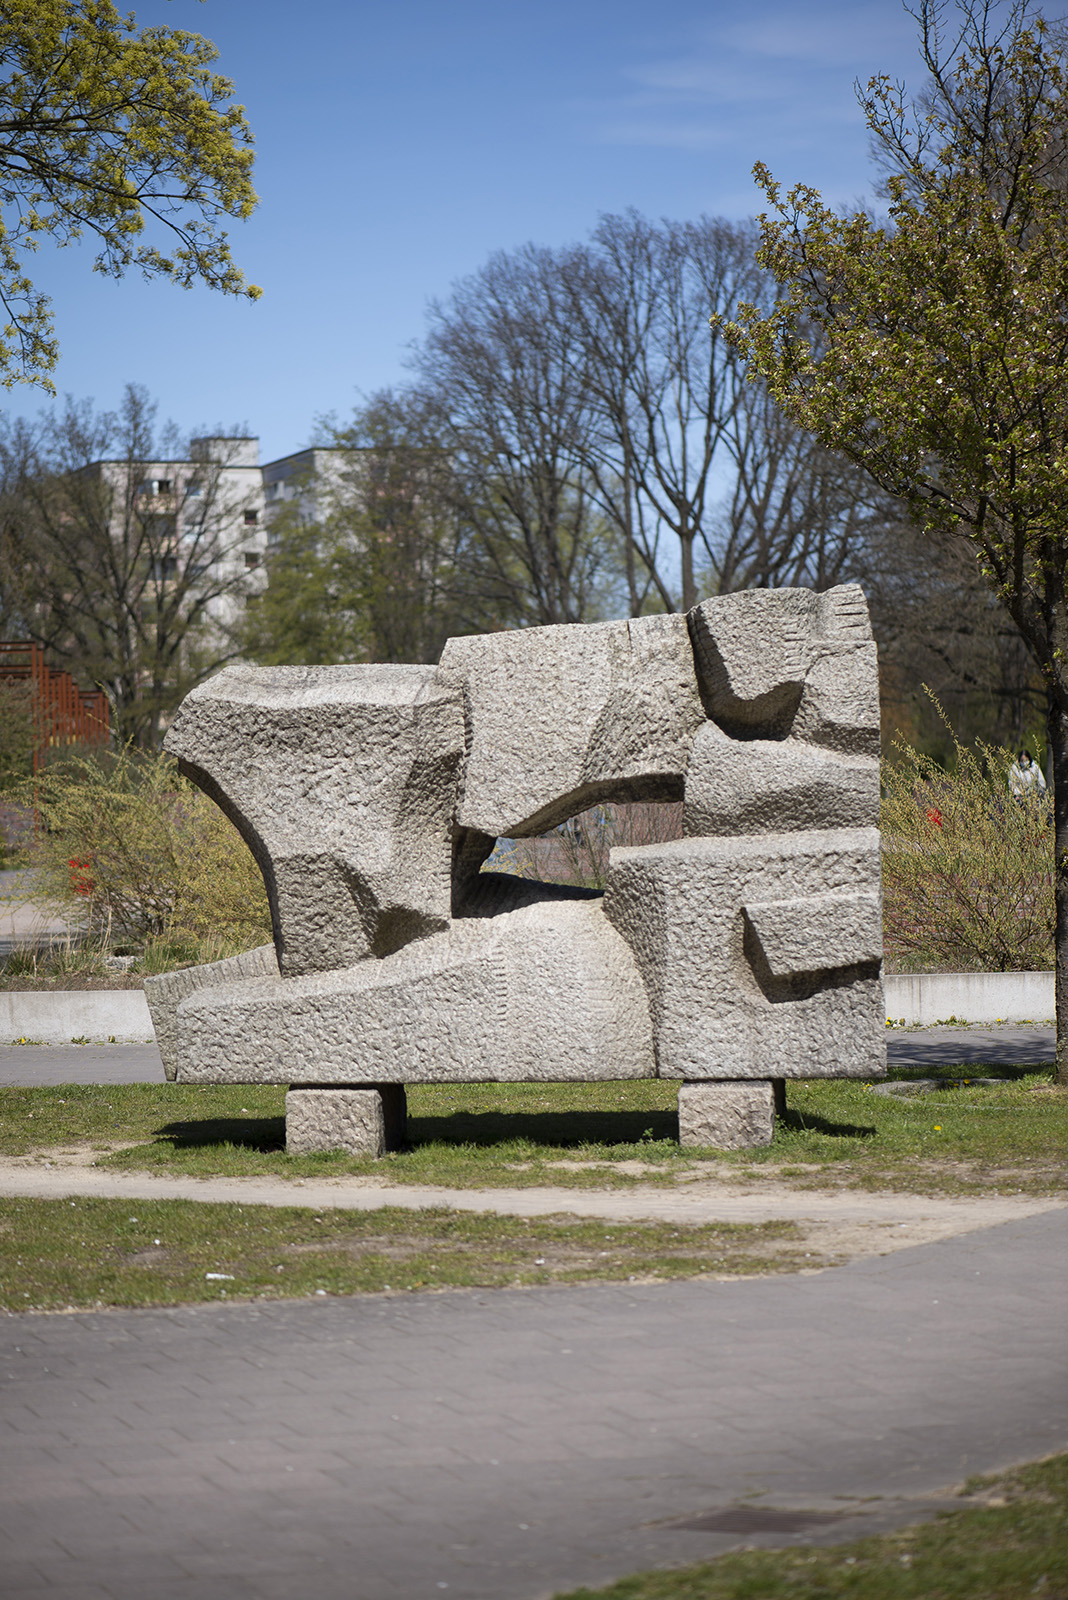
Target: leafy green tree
x,y
930,347
310,612
104,128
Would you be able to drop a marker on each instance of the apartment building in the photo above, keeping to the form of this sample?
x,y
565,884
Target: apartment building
x,y
204,521
307,478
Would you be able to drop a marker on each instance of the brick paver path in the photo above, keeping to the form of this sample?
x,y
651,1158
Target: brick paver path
x,y
502,1446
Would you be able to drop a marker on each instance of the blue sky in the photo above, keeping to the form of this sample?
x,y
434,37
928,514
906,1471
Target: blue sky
x,y
400,143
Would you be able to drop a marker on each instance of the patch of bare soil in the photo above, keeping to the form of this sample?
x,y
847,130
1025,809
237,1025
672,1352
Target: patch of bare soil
x,y
748,1253
944,1176
846,1223
79,1155
632,1169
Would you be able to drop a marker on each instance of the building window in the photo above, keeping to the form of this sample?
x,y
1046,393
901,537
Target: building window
x,y
252,559
251,518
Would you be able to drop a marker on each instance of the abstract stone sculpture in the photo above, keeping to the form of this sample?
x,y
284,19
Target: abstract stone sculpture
x,y
744,954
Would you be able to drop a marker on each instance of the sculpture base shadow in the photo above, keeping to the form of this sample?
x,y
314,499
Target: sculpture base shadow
x,y
562,1130
262,1134
810,1122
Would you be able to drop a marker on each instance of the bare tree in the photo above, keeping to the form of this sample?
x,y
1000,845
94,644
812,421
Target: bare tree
x,y
607,447
666,386
124,554
796,514
504,383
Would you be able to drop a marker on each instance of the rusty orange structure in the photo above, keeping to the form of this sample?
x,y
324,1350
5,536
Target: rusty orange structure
x,y
63,714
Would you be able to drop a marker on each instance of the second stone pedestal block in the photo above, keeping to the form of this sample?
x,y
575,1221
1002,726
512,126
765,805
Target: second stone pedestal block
x,y
362,1122
728,1115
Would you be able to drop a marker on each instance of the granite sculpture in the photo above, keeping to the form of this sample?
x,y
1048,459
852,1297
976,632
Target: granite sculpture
x,y
742,955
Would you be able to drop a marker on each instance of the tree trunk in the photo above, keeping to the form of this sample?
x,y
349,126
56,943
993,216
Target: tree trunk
x,y
1058,744
689,587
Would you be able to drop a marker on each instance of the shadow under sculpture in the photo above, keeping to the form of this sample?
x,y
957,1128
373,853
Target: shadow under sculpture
x,y
743,954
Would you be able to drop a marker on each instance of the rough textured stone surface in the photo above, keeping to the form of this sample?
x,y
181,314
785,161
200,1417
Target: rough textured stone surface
x,y
362,1122
736,786
547,992
818,933
728,1116
166,992
778,662
840,704
751,652
343,782
470,850
560,718
372,796
701,916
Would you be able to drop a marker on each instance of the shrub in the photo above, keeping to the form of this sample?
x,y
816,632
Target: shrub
x,y
967,869
16,732
144,854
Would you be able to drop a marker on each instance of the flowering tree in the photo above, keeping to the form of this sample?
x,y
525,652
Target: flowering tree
x,y
124,134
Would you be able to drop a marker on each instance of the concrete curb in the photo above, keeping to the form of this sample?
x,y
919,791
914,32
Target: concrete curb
x,y
926,999
97,1016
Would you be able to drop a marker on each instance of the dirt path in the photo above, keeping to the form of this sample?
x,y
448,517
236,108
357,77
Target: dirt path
x,y
844,1225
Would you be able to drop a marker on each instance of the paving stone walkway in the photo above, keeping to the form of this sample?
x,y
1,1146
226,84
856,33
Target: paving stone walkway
x,y
506,1446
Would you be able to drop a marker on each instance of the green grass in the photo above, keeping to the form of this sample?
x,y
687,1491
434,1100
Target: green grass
x,y
66,1254
1013,1546
959,1140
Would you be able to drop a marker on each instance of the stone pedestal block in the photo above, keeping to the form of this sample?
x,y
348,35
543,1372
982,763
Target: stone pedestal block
x,y
362,1122
727,1116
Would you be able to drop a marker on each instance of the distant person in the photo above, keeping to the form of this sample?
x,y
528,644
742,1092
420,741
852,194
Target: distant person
x,y
1025,778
